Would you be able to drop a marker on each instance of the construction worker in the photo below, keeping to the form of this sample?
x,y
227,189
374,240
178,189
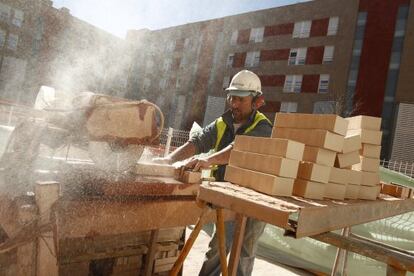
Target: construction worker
x,y
244,97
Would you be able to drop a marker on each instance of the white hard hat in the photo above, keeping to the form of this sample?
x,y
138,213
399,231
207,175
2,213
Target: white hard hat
x,y
244,83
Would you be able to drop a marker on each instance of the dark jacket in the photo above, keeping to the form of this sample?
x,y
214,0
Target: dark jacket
x,y
206,140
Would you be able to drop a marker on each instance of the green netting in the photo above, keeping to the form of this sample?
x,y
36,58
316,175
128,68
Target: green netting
x,y
310,254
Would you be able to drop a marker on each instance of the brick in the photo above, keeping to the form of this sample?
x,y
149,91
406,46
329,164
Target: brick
x,y
339,176
369,192
319,156
311,137
372,137
314,172
344,160
261,182
370,179
364,122
352,191
335,191
271,146
352,143
309,189
355,177
367,165
329,122
395,190
372,151
191,177
269,164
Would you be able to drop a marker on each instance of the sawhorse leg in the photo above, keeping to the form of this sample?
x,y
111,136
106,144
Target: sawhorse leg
x,y
341,258
237,244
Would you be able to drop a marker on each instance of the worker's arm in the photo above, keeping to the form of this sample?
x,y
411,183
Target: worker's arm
x,y
219,158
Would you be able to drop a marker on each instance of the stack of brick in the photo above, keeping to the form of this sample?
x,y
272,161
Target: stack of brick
x,y
323,136
266,165
369,130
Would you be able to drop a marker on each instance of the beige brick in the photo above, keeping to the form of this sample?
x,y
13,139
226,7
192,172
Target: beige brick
x,y
352,191
329,122
311,137
372,151
261,182
355,177
367,165
370,179
319,156
271,146
309,189
269,164
369,192
364,122
314,172
344,160
191,177
335,191
372,137
339,176
352,143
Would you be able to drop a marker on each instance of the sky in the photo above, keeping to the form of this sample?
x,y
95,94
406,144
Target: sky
x,y
118,16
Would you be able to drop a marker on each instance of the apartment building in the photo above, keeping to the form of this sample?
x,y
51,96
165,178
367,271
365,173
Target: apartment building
x,y
323,56
42,45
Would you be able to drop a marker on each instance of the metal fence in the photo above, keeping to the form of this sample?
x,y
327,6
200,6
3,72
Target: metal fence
x,y
402,167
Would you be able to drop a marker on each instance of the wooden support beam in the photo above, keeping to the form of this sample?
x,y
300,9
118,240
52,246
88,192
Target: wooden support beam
x,y
237,243
398,259
149,258
221,234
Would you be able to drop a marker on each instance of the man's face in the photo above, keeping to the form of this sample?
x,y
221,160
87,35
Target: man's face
x,y
241,108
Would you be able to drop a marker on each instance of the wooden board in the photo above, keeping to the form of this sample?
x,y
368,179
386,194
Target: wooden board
x,y
336,214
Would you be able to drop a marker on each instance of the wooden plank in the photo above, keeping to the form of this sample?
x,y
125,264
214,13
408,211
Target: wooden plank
x,y
80,218
311,137
248,202
271,146
237,244
221,238
319,156
374,250
348,213
395,190
149,258
364,122
265,183
314,172
269,164
330,122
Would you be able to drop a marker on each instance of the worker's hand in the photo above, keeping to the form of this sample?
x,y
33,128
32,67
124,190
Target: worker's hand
x,y
162,160
198,163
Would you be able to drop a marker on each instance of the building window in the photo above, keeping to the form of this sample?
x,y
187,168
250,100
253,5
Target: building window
x,y
234,35
333,25
5,12
302,29
324,107
256,34
18,18
226,82
167,65
2,37
230,59
297,56
252,59
289,107
328,54
323,84
12,41
293,84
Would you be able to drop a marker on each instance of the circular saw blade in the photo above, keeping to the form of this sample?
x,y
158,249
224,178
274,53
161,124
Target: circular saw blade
x,y
112,157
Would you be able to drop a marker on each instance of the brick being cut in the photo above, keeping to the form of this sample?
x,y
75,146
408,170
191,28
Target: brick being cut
x,y
319,156
269,164
271,146
261,182
364,122
329,122
312,137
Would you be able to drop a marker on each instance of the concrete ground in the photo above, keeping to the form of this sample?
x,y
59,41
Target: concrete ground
x,y
262,267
